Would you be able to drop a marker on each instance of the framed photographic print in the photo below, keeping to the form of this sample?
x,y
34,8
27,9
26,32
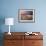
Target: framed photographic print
x,y
26,15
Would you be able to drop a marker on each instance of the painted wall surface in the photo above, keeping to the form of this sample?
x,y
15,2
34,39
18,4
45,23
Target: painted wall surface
x,y
9,8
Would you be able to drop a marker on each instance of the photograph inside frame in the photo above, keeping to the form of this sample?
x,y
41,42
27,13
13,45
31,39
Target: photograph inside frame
x,y
26,15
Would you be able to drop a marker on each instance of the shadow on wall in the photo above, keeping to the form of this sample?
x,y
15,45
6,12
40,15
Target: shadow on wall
x,y
2,21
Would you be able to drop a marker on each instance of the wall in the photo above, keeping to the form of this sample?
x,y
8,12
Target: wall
x,y
9,8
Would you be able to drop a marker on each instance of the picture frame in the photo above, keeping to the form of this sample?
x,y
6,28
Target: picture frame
x,y
26,15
